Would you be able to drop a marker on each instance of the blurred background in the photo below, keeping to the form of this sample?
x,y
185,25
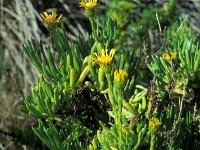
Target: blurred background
x,y
20,21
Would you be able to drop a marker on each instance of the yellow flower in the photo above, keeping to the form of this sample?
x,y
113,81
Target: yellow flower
x,y
120,75
105,58
50,19
88,4
168,56
154,123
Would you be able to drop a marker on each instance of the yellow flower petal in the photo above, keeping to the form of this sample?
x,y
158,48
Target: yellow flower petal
x,y
45,14
120,75
104,58
50,19
174,55
168,56
88,4
154,123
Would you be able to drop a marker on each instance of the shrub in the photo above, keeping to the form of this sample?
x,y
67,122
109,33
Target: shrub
x,y
95,93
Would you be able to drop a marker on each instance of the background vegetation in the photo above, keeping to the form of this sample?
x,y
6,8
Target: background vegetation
x,y
20,21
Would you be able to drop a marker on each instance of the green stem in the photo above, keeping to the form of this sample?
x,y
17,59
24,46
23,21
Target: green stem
x,y
117,107
153,141
110,89
119,121
93,28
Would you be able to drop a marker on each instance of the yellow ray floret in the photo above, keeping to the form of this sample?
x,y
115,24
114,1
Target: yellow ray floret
x,y
88,4
104,58
154,123
120,75
168,56
50,19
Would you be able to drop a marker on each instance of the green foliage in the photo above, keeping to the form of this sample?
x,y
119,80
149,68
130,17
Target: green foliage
x,y
57,139
88,99
46,99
